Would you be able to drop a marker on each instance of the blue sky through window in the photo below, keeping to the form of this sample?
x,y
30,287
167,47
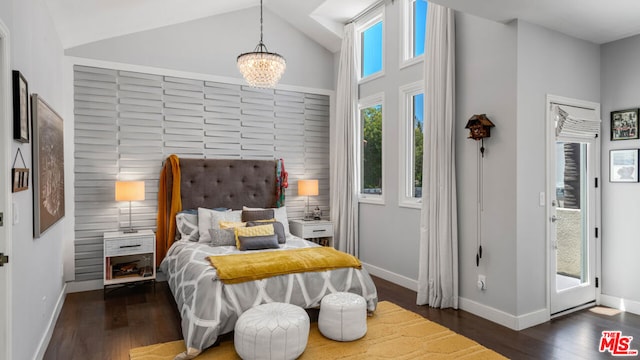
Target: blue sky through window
x,y
419,26
372,50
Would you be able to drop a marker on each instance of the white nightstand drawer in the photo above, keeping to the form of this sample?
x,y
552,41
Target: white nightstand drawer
x,y
316,231
129,246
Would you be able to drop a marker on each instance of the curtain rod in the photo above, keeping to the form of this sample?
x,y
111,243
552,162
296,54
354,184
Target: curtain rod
x,y
368,10
578,107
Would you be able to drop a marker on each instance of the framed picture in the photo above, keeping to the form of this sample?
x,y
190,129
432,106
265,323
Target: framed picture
x,y
20,179
623,165
48,166
20,108
624,124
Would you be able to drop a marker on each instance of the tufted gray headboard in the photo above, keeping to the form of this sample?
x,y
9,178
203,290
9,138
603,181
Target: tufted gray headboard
x,y
213,183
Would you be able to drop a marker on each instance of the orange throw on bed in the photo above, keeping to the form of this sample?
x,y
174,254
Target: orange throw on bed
x,y
166,224
237,268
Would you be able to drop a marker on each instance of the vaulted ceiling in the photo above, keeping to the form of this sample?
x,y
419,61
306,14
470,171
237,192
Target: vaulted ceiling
x,y
83,21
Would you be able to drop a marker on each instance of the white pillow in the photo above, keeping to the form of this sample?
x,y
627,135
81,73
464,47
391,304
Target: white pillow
x,y
187,225
210,219
280,214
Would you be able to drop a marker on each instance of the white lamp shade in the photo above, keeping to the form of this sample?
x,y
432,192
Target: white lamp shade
x,y
129,190
308,187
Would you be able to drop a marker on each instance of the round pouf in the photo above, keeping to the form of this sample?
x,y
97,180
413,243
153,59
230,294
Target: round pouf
x,y
343,316
272,331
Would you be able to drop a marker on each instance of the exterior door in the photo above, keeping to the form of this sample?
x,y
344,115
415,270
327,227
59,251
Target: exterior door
x,y
573,213
5,195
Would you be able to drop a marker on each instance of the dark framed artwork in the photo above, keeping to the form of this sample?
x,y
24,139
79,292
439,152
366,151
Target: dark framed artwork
x,y
48,166
624,124
623,165
20,108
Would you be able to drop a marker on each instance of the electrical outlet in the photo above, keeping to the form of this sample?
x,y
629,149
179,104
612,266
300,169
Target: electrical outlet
x,y
482,282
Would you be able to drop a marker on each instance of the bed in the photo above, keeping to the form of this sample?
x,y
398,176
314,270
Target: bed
x,y
208,306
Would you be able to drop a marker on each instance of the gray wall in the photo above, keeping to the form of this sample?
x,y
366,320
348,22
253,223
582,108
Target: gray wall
x,y
548,63
36,264
620,266
211,45
487,85
127,123
520,64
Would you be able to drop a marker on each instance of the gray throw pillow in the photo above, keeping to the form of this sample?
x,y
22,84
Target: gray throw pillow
x,y
222,237
253,215
278,229
258,242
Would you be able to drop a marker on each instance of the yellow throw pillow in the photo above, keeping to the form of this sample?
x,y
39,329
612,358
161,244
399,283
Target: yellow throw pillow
x,y
261,230
231,224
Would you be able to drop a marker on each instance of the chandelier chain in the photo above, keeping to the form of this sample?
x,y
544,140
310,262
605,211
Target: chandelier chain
x,y
260,21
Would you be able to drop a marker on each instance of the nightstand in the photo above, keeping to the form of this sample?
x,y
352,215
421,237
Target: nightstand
x,y
318,231
129,257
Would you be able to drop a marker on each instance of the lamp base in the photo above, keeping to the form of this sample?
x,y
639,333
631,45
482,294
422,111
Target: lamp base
x,y
130,231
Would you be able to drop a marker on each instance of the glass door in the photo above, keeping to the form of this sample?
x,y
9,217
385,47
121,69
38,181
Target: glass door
x,y
572,225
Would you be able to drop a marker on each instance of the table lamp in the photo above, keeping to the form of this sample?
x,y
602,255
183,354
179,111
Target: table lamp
x,y
130,191
307,188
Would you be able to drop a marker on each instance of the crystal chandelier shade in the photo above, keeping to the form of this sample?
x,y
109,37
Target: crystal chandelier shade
x,y
261,68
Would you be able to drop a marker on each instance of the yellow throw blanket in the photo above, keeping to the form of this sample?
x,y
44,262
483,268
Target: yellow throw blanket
x,y
237,268
169,204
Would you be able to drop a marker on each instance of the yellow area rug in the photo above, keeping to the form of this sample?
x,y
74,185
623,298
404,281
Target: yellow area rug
x,y
392,333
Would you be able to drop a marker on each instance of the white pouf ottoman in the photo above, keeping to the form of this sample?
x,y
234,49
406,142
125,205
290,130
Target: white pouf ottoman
x,y
272,331
343,316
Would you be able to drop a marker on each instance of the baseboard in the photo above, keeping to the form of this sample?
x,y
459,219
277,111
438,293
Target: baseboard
x,y
630,306
46,338
500,317
391,276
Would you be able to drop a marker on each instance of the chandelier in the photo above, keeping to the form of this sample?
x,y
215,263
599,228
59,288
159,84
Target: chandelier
x,y
261,68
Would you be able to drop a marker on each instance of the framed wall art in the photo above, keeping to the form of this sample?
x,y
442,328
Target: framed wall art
x,y
623,165
20,179
624,124
48,166
19,176
20,108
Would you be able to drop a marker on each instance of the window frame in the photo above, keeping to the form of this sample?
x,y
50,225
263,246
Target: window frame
x,y
362,25
366,102
407,146
407,24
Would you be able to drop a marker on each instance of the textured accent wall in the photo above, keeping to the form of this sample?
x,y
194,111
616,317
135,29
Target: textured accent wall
x,y
127,123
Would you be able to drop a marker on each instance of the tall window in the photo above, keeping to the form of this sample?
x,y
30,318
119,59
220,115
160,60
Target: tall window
x,y
412,140
418,143
415,25
370,37
371,148
419,26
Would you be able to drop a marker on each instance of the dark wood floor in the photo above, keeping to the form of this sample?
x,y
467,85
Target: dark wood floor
x,y
90,327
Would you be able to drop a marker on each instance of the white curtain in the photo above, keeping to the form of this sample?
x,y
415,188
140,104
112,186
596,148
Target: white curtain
x,y
438,269
344,196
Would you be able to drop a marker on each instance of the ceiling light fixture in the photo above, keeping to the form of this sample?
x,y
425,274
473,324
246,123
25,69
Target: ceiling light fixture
x,y
261,68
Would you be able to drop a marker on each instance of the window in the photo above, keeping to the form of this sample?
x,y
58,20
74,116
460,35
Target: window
x,y
411,142
370,35
415,25
371,149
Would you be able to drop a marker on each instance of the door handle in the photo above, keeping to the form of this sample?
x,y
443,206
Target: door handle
x,y
554,218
